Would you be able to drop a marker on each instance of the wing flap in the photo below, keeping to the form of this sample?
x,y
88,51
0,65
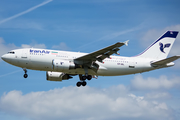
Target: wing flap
x,y
165,61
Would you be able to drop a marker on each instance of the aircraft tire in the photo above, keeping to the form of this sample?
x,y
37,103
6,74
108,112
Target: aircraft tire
x,y
89,77
78,84
84,83
25,75
83,77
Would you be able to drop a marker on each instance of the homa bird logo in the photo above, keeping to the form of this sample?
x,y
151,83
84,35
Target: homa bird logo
x,y
164,46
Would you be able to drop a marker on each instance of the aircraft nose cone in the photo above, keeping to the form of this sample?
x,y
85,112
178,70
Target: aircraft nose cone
x,y
7,58
4,57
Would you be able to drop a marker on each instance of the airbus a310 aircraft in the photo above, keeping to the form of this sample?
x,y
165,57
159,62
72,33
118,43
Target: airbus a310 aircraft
x,y
63,65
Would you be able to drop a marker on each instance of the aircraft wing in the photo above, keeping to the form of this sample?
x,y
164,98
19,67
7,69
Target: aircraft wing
x,y
165,61
100,54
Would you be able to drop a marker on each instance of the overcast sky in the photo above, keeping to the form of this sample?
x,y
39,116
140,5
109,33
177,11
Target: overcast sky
x,y
86,26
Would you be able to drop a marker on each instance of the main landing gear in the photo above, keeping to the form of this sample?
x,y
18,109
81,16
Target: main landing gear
x,y
83,78
25,73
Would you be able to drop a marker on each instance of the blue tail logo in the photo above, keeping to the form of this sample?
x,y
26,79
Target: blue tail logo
x,y
164,46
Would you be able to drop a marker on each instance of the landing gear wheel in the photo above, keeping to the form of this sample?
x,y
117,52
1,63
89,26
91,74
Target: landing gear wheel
x,y
84,83
78,84
89,77
83,77
25,75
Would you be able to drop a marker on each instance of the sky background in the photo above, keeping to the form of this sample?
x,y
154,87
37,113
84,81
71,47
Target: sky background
x,y
86,26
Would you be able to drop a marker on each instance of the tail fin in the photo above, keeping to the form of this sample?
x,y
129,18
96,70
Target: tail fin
x,y
161,47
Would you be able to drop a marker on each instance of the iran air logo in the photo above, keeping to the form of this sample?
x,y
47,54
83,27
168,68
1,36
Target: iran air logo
x,y
162,46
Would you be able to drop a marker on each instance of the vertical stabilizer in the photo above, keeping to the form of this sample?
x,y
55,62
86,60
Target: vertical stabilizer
x,y
161,47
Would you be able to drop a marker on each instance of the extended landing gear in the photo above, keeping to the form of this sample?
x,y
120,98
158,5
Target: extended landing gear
x,y
83,78
25,74
81,83
88,77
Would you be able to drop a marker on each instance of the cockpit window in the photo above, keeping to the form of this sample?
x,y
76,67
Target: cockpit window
x,y
11,52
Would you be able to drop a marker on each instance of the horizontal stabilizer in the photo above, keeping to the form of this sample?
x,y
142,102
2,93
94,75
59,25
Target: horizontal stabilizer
x,y
165,61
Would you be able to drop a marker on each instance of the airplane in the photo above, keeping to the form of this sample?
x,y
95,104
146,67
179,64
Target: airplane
x,y
63,65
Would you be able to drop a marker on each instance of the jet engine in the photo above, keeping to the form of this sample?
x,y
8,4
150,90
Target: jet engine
x,y
62,65
57,76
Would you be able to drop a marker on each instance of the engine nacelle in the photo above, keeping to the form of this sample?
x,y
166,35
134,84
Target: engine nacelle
x,y
62,65
57,76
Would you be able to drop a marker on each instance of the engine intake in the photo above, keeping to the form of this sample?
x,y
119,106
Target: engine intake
x,y
57,76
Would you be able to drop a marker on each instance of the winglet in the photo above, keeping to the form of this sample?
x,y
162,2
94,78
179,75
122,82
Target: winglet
x,y
126,42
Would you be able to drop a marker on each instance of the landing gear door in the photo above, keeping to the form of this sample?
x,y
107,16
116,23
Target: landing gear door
x,y
24,53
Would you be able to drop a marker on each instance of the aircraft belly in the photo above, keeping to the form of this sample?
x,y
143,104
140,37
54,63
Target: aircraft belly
x,y
113,70
76,71
121,69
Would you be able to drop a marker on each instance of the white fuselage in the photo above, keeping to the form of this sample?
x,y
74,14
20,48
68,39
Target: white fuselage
x,y
41,59
62,65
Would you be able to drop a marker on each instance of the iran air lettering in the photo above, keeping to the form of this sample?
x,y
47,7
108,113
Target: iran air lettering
x,y
40,51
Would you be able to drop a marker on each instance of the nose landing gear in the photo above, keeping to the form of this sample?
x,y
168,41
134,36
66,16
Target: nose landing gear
x,y
25,74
